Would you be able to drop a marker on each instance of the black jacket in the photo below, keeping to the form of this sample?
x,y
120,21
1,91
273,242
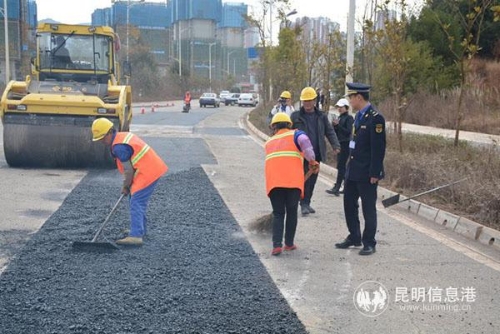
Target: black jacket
x,y
324,129
366,159
344,128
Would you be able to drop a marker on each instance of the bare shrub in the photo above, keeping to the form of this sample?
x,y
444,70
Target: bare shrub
x,y
481,103
431,161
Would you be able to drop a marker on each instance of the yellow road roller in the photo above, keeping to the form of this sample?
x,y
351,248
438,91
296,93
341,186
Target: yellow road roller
x,y
75,78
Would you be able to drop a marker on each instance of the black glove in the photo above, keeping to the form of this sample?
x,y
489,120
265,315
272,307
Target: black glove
x,y
125,190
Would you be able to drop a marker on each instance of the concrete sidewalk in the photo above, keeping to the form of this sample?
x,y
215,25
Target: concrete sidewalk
x,y
321,283
475,137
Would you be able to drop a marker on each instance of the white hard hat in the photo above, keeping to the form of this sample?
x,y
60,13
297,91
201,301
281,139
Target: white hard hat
x,y
342,103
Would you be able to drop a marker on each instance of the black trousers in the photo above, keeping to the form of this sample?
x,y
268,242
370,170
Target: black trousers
x,y
309,185
341,163
285,202
368,193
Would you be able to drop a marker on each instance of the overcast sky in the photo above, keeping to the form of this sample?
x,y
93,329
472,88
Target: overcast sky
x,y
79,11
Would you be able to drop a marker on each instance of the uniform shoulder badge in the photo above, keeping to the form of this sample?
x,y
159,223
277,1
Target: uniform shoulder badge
x,y
373,111
379,128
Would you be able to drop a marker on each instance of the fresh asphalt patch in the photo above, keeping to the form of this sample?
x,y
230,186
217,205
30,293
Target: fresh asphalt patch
x,y
194,274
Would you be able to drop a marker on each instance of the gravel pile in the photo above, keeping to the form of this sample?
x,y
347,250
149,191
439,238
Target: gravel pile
x,y
196,272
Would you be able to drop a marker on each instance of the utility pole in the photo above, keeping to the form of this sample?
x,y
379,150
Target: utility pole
x,y
350,42
271,22
6,30
210,63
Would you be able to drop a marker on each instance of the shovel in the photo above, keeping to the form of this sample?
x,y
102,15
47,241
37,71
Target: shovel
x,y
94,245
395,199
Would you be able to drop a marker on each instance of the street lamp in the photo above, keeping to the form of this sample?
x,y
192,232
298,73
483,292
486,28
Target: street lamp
x,y
128,23
210,63
180,48
6,31
228,54
350,42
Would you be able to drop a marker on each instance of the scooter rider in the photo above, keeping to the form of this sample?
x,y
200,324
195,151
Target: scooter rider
x,y
187,100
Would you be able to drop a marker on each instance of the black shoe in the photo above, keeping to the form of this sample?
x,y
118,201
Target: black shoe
x,y
334,191
311,210
304,209
367,250
346,244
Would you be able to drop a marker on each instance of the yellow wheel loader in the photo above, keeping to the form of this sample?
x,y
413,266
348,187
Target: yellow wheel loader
x,y
75,79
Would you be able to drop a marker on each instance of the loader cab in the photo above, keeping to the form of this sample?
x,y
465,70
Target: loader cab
x,y
74,56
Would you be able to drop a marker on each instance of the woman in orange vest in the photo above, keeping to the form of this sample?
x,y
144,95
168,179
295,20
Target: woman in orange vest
x,y
141,168
285,152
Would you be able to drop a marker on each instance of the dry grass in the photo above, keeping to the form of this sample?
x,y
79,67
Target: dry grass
x,y
481,103
430,161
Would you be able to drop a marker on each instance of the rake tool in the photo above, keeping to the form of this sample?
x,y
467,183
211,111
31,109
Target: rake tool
x,y
395,199
94,245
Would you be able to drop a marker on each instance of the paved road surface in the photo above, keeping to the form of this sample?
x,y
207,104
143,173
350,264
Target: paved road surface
x,y
428,279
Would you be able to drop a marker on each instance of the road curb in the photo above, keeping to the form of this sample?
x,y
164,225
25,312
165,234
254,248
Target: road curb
x,y
458,224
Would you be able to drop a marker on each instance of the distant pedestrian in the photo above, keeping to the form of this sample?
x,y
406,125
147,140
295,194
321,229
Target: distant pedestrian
x,y
285,104
343,128
316,125
364,169
141,168
285,151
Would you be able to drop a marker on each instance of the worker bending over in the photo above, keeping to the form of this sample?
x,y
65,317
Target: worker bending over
x,y
141,168
285,152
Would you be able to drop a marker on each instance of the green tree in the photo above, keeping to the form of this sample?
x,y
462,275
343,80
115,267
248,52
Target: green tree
x,y
265,63
289,68
331,60
393,51
471,22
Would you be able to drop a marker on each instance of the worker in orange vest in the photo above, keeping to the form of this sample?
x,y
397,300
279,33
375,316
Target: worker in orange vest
x,y
141,168
285,152
187,100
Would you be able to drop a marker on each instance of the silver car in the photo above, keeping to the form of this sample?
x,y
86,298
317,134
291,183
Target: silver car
x,y
209,99
247,99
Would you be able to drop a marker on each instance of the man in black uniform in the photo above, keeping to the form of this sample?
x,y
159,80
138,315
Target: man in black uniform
x,y
364,169
343,129
317,127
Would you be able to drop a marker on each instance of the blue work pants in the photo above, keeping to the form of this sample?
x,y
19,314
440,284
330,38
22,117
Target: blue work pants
x,y
138,205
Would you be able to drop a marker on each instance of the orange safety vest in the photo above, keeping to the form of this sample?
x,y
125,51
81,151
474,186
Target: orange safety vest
x,y
148,166
284,162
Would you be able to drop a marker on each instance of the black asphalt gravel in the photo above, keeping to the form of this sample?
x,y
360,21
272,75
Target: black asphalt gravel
x,y
196,273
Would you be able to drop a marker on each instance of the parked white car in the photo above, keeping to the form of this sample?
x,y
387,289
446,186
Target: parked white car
x,y
247,99
223,94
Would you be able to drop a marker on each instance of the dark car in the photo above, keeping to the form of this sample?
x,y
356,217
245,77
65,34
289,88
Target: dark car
x,y
232,100
209,99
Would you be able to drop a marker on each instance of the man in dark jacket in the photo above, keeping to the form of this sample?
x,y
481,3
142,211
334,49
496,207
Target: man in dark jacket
x,y
316,125
343,129
364,169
